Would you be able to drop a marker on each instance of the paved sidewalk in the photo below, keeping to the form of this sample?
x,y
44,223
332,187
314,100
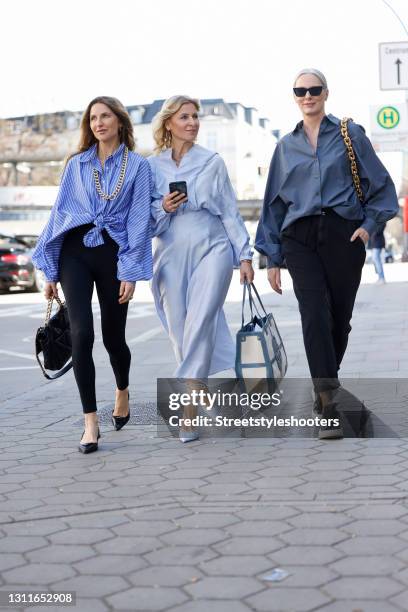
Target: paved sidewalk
x,y
150,524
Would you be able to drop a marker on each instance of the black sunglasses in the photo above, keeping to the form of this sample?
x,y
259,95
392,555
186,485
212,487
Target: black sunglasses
x,y
300,92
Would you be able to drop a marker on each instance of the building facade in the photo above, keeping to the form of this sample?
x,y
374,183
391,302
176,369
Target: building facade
x,y
33,148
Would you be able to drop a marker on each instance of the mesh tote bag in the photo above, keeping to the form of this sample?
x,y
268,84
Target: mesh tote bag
x,y
260,353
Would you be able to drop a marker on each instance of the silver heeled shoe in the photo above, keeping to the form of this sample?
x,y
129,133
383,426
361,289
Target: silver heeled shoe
x,y
188,436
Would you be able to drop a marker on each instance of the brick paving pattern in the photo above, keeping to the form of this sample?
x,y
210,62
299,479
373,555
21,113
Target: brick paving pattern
x,y
149,524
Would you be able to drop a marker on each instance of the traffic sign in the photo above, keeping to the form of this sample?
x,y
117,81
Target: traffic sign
x,y
388,117
389,127
393,65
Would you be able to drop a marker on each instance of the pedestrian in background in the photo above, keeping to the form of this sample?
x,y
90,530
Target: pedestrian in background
x,y
312,217
377,243
198,239
99,235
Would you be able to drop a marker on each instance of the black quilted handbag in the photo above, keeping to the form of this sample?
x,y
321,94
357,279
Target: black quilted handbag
x,y
53,340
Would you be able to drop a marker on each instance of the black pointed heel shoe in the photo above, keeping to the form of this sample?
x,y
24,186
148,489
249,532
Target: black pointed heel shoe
x,y
89,447
119,422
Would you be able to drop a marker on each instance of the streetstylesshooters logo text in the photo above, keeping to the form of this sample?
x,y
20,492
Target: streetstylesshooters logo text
x,y
243,401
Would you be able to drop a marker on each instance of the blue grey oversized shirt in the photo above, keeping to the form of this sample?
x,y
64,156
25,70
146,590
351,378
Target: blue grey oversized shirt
x,y
301,182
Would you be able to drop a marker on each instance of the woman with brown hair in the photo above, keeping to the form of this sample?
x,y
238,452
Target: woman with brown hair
x,y
99,234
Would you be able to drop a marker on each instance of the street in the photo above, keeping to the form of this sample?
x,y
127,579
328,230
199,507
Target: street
x,y
150,524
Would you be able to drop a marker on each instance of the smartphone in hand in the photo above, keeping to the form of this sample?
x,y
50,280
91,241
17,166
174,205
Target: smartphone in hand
x,y
180,186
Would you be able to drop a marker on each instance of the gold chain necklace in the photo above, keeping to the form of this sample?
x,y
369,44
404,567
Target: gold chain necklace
x,y
119,185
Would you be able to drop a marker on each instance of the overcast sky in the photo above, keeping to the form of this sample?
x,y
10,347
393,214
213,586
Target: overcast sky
x,y
59,55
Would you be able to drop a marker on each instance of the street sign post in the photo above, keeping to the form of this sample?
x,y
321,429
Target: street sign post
x,y
389,127
393,65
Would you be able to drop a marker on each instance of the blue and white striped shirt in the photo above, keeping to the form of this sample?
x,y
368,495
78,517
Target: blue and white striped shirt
x,y
126,218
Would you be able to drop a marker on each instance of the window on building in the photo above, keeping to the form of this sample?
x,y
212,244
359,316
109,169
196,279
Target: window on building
x,y
136,115
72,122
15,126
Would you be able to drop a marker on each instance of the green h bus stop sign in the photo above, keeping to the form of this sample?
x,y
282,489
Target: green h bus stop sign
x,y
388,117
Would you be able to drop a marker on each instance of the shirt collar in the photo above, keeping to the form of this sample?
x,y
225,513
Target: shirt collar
x,y
325,119
91,154
169,151
88,154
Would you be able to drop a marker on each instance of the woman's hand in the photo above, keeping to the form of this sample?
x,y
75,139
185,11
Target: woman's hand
x,y
246,271
126,291
50,290
274,278
172,201
360,233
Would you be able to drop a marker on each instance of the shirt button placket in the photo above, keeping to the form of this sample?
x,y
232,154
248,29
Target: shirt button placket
x,y
316,176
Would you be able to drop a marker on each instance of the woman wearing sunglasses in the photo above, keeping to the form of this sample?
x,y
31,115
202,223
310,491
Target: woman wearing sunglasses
x,y
313,219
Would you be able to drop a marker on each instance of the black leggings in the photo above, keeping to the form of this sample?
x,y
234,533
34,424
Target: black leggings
x,y
80,268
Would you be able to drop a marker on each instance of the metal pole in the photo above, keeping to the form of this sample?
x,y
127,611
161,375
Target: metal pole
x,y
404,189
396,15
404,186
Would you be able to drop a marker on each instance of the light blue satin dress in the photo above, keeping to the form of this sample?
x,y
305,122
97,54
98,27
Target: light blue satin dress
x,y
195,250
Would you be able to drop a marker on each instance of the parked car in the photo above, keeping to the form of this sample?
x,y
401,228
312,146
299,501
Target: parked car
x,y
29,240
16,267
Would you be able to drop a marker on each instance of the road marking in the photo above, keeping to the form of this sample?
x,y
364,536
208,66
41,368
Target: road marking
x,y
151,333
19,368
140,311
37,311
20,311
15,354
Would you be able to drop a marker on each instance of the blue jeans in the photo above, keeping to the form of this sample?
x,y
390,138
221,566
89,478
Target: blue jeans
x,y
376,254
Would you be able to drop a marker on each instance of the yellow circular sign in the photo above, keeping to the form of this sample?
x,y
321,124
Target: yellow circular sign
x,y
388,117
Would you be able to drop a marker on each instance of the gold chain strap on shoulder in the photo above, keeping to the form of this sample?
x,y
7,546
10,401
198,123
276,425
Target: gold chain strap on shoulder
x,y
118,187
352,158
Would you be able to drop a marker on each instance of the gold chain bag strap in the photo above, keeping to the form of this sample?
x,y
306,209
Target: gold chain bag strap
x,y
352,158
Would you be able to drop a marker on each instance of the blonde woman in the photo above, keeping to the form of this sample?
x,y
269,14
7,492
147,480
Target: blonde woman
x,y
198,239
313,218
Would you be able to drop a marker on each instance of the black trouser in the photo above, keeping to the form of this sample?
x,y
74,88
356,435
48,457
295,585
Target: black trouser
x,y
80,268
326,271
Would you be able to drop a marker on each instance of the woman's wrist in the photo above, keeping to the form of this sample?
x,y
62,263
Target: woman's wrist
x,y
246,261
